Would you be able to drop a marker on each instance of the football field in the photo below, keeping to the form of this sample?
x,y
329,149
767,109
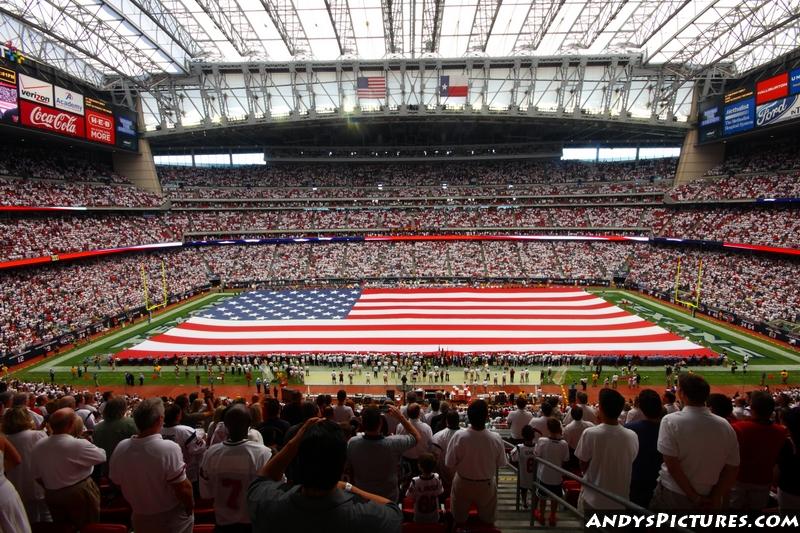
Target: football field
x,y
766,358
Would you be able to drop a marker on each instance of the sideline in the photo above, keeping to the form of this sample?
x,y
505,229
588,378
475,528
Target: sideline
x,y
749,339
52,361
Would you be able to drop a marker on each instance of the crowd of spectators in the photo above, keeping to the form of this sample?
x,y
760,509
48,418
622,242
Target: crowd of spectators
x,y
41,304
368,463
418,174
760,288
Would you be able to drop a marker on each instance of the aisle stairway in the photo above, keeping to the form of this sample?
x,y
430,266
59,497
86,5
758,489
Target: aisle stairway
x,y
509,520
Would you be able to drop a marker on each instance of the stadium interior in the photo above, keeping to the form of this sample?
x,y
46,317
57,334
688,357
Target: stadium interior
x,y
379,212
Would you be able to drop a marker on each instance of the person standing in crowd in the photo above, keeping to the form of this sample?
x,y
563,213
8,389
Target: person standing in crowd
x,y
789,463
12,512
157,488
227,470
373,459
71,494
647,464
319,501
700,451
114,428
424,491
589,412
524,455
273,428
606,453
574,430
342,413
423,439
440,443
518,419
192,445
553,449
760,443
539,423
474,455
19,429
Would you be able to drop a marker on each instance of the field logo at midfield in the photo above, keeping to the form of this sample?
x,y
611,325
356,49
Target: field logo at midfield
x,y
717,344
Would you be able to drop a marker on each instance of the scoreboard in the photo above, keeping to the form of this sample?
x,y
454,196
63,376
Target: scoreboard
x,y
750,106
29,101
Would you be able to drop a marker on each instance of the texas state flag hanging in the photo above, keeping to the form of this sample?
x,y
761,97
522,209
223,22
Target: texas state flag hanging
x,y
450,86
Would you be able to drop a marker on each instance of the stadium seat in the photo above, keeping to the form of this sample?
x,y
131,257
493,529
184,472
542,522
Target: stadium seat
x,y
50,527
203,528
204,512
104,528
413,527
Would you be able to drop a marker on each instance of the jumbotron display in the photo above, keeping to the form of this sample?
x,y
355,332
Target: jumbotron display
x,y
32,102
759,104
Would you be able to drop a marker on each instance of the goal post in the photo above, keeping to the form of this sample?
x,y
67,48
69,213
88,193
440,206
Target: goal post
x,y
695,303
150,306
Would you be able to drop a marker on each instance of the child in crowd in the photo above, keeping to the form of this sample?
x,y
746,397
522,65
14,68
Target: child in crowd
x,y
425,490
554,450
523,455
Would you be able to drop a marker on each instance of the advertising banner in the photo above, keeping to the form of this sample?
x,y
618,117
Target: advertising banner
x,y
794,81
126,130
69,100
778,111
100,127
737,94
9,110
35,90
98,105
740,116
772,88
51,120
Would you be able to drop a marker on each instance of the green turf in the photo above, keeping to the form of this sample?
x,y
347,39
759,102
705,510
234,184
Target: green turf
x,y
767,357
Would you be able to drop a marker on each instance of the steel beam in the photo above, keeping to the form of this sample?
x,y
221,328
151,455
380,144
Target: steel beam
x,y
286,20
537,23
482,24
342,23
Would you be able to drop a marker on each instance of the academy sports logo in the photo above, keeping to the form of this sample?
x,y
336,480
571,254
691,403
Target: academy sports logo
x,y
69,101
35,90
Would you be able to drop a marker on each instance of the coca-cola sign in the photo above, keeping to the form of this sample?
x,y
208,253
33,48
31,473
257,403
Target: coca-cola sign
x,y
100,127
52,120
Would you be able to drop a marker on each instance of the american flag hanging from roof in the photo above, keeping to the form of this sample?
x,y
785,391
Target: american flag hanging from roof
x,y
557,320
371,87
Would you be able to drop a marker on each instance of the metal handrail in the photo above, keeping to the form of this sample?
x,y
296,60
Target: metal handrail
x,y
627,504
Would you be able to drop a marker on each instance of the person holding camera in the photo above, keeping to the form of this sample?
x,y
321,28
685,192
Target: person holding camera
x,y
373,458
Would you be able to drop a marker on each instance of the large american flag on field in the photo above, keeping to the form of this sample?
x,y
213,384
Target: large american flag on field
x,y
371,87
556,320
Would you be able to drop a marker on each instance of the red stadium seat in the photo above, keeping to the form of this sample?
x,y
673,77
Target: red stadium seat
x,y
104,528
50,527
413,527
203,528
204,512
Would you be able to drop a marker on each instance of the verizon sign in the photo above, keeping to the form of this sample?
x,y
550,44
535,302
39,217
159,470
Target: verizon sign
x,y
52,120
35,90
100,127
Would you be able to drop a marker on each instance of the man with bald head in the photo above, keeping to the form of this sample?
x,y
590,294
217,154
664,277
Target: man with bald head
x,y
152,475
64,465
227,470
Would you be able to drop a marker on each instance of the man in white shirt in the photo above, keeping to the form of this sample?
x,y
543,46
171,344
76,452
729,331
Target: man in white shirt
x,y
606,452
517,419
440,443
589,412
63,466
192,445
424,440
227,470
700,451
342,413
152,475
574,430
539,423
474,455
